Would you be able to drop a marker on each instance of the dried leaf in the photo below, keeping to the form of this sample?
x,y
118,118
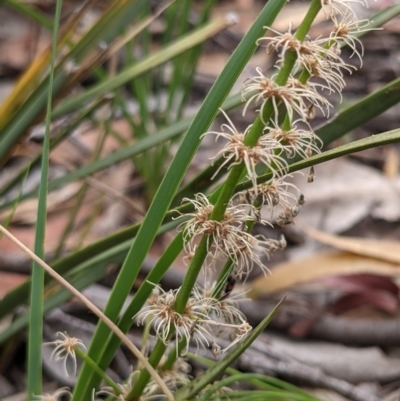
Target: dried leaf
x,y
317,266
363,283
379,299
384,250
345,192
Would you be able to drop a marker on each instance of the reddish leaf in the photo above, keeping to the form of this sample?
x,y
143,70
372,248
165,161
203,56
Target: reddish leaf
x,y
362,282
380,299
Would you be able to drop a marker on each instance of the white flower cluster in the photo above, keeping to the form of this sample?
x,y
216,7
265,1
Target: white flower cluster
x,y
203,315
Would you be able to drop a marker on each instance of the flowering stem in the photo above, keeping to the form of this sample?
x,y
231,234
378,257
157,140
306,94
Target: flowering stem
x,y
236,172
225,195
227,192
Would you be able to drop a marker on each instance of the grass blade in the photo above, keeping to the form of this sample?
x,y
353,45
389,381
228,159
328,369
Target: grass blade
x,y
35,335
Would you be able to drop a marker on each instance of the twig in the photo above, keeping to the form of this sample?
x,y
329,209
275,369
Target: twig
x,y
261,357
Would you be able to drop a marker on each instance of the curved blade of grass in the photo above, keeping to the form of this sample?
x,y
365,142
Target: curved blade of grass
x,y
255,395
169,186
361,112
380,18
277,394
266,383
35,334
209,375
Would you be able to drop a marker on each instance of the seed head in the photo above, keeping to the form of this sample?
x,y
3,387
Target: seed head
x,y
295,141
274,193
329,71
236,152
163,315
344,30
261,89
65,348
175,377
286,41
340,7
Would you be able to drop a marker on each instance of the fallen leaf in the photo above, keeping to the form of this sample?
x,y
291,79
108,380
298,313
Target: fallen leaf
x,y
364,282
327,263
344,193
379,299
388,251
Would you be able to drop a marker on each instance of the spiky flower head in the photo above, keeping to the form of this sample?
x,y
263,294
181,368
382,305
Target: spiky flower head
x,y
286,41
174,377
327,70
123,391
65,348
295,96
194,324
274,193
254,252
295,141
236,152
345,29
340,7
187,325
